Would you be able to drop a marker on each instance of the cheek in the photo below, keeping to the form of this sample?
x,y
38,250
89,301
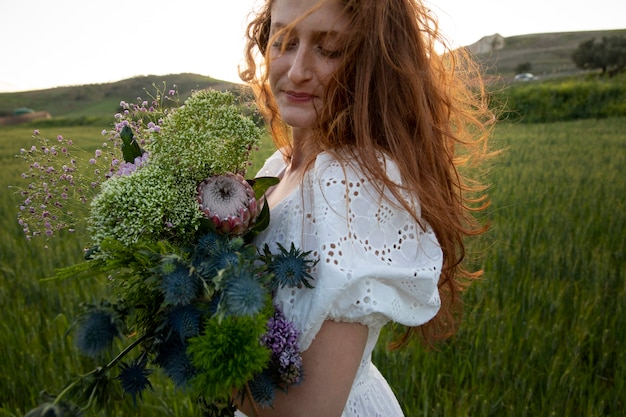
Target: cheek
x,y
326,71
276,69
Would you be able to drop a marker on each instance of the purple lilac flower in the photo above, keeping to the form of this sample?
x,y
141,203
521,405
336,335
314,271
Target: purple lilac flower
x,y
127,168
282,339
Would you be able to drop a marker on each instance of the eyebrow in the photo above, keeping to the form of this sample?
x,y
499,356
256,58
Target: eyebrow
x,y
317,34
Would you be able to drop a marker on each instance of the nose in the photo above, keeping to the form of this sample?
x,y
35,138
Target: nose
x,y
301,67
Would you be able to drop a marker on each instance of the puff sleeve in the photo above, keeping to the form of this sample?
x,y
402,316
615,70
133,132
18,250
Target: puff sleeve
x,y
375,263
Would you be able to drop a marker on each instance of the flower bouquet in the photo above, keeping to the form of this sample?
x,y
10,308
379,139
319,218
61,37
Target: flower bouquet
x,y
172,220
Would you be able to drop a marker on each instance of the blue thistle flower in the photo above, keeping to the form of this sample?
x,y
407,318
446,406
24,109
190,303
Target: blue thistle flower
x,y
208,244
185,320
173,359
262,389
243,295
290,268
96,331
222,255
134,377
180,286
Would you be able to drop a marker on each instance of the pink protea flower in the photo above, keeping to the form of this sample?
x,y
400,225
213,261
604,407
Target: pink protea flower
x,y
229,202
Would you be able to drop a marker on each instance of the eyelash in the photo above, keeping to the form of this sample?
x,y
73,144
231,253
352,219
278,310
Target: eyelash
x,y
331,54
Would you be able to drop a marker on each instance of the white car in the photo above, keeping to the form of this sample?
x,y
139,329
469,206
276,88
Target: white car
x,y
524,77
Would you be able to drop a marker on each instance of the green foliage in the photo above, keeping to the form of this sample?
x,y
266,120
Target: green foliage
x,y
609,54
37,351
228,347
95,120
544,331
208,135
565,99
162,299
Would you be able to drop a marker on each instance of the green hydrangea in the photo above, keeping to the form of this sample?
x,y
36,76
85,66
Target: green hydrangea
x,y
148,204
206,136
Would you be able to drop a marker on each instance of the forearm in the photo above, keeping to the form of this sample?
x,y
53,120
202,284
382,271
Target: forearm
x,y
330,365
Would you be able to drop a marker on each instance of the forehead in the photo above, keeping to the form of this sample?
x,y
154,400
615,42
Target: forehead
x,y
315,15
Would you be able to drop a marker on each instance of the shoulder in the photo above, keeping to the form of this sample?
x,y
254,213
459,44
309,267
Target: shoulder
x,y
273,165
344,179
338,166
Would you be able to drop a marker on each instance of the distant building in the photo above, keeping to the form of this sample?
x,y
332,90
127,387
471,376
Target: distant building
x,y
23,115
22,110
487,44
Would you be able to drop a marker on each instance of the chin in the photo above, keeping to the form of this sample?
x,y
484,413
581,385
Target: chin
x,y
299,122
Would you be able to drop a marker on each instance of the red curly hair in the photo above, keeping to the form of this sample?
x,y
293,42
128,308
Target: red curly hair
x,y
427,110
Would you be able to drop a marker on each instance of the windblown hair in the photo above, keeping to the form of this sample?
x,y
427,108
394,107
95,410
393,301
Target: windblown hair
x,y
395,93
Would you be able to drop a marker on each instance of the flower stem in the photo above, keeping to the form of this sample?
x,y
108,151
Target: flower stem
x,y
66,390
255,410
98,370
126,351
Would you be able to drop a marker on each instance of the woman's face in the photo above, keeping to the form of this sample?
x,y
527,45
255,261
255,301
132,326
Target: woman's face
x,y
303,59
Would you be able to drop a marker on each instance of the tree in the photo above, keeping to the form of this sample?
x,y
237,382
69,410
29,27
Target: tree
x,y
523,67
609,54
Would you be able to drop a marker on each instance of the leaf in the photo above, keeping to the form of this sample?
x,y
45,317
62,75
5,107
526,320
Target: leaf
x,y
261,184
130,147
261,223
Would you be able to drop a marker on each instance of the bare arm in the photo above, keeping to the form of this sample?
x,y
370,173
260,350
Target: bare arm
x,y
329,366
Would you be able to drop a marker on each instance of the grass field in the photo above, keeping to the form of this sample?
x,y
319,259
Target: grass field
x,y
544,332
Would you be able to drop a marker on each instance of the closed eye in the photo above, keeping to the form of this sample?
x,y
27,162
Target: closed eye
x,y
284,45
329,44
328,53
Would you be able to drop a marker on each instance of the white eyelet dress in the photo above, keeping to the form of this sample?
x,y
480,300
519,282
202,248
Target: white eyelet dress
x,y
375,265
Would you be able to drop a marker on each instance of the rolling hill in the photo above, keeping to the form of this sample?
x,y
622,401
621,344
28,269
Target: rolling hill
x,y
102,100
548,55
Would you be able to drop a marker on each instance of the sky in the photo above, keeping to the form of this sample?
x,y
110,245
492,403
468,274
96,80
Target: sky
x,y
49,44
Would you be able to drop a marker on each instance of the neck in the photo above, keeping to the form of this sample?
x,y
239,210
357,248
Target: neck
x,y
304,149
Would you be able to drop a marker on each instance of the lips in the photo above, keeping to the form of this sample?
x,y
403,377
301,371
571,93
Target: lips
x,y
298,96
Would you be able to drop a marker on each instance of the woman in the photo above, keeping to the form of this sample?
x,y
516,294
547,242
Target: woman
x,y
366,117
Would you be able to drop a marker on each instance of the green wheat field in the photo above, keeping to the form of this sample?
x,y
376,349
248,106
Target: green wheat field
x,y
544,332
